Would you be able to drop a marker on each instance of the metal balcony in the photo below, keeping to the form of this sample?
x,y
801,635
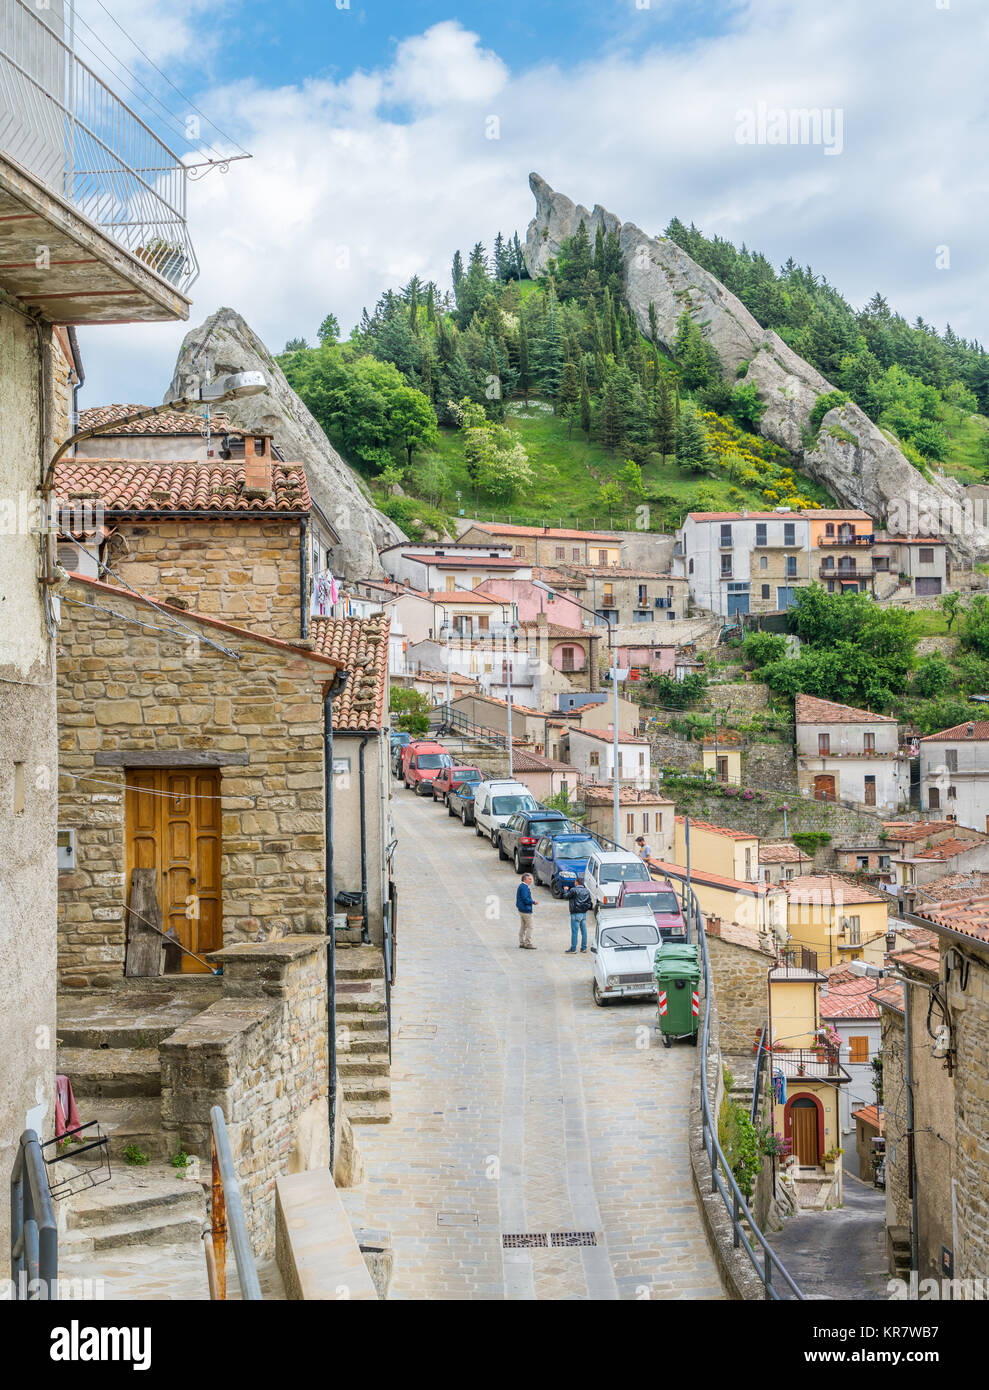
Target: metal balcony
x,y
846,540
67,129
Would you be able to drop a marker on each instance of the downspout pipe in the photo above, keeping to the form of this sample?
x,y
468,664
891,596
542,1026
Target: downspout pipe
x,y
365,934
304,577
330,692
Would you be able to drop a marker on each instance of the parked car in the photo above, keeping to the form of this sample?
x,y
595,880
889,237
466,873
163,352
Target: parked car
x,y
420,763
400,740
448,777
518,839
607,870
460,801
660,895
496,802
561,860
624,948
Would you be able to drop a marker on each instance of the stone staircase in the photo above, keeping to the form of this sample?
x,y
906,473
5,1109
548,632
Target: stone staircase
x,y
362,1035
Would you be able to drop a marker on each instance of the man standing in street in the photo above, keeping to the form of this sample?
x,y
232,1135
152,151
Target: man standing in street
x,y
525,905
581,903
642,849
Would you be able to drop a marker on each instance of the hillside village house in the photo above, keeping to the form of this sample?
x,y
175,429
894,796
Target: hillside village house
x,y
954,773
779,862
758,907
718,849
721,756
447,567
640,812
529,602
592,752
547,545
838,919
545,777
875,860
569,657
848,754
489,712
845,1004
84,219
921,562
457,614
485,662
809,1074
627,597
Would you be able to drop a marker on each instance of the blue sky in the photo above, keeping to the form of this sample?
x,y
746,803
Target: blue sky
x,y
374,158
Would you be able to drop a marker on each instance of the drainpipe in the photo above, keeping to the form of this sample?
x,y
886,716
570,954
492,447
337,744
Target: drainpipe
x,y
911,1148
80,382
365,934
304,577
332,689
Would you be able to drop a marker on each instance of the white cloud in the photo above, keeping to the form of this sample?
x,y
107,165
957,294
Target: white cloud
x,y
343,199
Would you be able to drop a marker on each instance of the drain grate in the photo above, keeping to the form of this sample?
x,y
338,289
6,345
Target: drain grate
x,y
573,1238
524,1240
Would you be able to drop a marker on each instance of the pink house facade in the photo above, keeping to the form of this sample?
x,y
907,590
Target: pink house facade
x,y
530,602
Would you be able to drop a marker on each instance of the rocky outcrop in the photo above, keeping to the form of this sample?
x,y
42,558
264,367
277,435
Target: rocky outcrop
x,y
851,456
226,343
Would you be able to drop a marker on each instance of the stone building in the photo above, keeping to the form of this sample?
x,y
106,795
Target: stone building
x,y
850,755
194,748
954,773
550,546
640,812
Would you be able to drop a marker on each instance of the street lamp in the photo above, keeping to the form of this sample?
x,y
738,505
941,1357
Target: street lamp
x,y
615,794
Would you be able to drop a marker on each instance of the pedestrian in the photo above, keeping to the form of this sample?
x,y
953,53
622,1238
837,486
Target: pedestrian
x,y
525,904
581,903
642,849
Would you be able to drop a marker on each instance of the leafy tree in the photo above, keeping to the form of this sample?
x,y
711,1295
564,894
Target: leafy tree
x,y
974,626
496,461
674,694
630,481
763,648
296,345
828,401
412,708
950,606
933,676
610,497
746,406
329,330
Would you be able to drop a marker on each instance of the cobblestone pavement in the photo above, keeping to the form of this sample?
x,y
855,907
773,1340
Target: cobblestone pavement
x,y
519,1106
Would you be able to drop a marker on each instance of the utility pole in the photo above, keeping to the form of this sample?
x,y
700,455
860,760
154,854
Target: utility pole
x,y
510,639
615,791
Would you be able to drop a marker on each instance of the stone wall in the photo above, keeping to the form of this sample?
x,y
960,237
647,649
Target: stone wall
x,y
895,1121
132,695
740,979
737,697
245,572
260,1054
969,1009
763,819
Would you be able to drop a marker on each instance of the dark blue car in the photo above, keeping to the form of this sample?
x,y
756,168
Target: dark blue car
x,y
460,802
560,861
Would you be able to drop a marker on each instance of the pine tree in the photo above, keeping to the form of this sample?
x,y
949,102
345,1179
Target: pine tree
x,y
585,404
458,274
501,262
611,424
599,252
525,369
569,398
664,415
692,448
653,324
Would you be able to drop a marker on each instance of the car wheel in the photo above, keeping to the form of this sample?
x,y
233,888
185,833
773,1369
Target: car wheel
x,y
501,849
494,839
555,888
477,830
449,809
599,998
463,815
518,863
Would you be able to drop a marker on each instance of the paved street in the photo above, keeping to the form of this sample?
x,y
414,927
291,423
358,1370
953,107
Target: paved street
x,y
839,1254
520,1107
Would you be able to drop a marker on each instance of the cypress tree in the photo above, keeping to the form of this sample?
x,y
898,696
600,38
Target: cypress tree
x,y
585,404
525,370
664,416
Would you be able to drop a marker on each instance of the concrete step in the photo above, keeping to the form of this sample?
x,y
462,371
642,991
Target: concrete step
x,y
359,1088
353,998
96,1072
369,1112
143,1229
366,1042
359,1065
129,1120
360,963
130,1194
361,1023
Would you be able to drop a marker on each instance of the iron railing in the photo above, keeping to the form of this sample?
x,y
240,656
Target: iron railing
x,y
227,1214
68,129
33,1229
760,1058
762,1257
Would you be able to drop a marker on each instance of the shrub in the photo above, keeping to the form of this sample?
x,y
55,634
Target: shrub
x,y
823,404
763,648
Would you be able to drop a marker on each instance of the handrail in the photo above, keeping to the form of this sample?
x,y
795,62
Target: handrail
x,y
760,1058
723,1182
226,1200
33,1228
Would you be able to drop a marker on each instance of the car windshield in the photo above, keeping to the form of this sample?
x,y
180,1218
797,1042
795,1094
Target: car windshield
x,y
508,805
573,849
465,774
624,873
631,936
431,760
542,827
663,901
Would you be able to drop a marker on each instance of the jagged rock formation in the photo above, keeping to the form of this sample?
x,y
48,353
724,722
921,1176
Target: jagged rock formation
x,y
226,343
851,456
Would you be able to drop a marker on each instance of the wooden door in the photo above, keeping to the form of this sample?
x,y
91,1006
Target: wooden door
x,y
803,1131
824,789
870,791
173,827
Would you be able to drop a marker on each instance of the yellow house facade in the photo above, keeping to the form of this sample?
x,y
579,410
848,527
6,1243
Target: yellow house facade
x,y
724,764
718,850
840,921
760,906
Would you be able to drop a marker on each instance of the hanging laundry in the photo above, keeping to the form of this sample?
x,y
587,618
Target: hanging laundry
x,y
324,595
66,1114
779,1087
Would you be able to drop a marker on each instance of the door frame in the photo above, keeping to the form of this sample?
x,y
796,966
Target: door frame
x,y
788,1121
826,777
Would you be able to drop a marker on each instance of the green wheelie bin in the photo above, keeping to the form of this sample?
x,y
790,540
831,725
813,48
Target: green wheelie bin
x,y
678,972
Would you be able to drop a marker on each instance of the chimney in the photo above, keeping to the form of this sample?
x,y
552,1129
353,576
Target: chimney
x,y
257,465
970,731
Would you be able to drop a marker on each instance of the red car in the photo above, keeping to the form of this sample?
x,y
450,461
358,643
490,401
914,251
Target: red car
x,y
661,896
449,777
421,762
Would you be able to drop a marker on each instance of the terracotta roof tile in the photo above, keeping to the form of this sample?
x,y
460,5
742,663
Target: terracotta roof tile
x,y
171,422
133,485
947,849
979,727
827,888
607,736
361,645
555,630
815,514
717,829
546,532
524,761
782,854
969,916
869,1115
601,794
906,830
811,710
849,999
890,997
954,886
926,959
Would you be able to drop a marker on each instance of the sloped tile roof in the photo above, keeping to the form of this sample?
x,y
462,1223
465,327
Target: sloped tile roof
x,y
608,737
718,829
849,999
954,886
947,849
782,854
550,533
601,794
926,959
979,727
869,1115
524,761
970,916
890,997
825,888
133,485
361,645
555,630
811,710
905,830
171,422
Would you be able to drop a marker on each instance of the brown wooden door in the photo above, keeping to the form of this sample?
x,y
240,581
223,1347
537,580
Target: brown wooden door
x,y
803,1131
824,789
870,791
173,827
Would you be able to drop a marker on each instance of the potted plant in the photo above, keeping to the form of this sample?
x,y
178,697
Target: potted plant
x,y
830,1159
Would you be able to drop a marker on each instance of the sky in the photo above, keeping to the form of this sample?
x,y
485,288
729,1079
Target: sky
x,y
386,135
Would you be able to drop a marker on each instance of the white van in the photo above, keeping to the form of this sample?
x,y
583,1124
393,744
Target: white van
x,y
607,870
496,802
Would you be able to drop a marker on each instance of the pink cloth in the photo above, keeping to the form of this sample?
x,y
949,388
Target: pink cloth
x,y
65,1105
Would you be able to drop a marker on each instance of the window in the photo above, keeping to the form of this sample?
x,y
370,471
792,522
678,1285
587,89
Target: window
x,y
645,822
926,555
643,595
484,623
862,861
830,586
829,529
659,821
690,567
595,758
669,593
791,567
726,537
630,823
933,799
520,552
764,562
827,563
884,861
952,793
642,762
575,552
858,1049
789,533
602,557
824,743
869,743
451,583
561,552
748,863
725,566
853,925
951,759
765,591
609,596
568,659
671,615
760,533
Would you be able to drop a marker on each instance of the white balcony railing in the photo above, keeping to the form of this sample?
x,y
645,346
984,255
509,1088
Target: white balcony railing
x,y
64,126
